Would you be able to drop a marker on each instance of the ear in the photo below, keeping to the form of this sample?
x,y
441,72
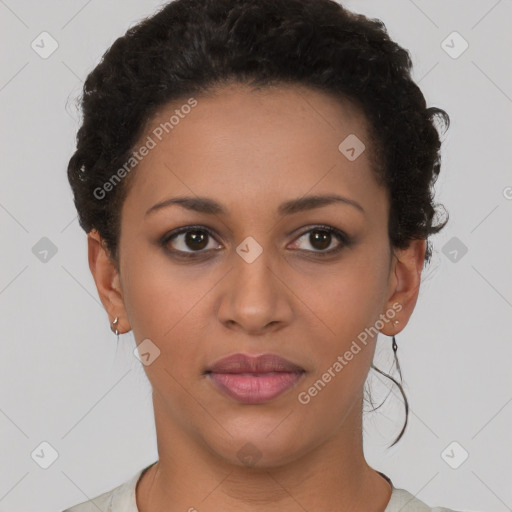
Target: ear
x,y
404,284
107,280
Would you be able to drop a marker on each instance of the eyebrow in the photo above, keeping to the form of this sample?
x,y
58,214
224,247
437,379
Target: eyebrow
x,y
209,206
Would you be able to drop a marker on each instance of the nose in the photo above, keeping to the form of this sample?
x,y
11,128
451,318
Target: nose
x,y
255,298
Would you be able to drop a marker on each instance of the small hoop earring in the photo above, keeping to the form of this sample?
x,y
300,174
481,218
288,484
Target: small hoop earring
x,y
114,329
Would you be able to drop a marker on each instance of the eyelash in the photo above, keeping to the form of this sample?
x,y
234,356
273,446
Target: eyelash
x,y
342,237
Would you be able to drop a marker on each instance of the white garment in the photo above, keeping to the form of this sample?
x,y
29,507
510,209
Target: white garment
x,y
122,499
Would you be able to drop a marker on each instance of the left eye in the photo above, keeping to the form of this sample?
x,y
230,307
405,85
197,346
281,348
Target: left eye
x,y
188,238
320,238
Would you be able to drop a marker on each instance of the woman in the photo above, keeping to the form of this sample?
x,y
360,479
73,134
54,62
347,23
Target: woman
x,y
255,179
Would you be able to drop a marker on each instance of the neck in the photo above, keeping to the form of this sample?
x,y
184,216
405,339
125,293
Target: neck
x,y
189,476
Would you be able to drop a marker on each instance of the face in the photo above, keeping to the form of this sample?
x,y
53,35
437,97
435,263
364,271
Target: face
x,y
249,262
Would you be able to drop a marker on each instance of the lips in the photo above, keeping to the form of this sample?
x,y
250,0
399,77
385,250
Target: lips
x,y
254,380
266,363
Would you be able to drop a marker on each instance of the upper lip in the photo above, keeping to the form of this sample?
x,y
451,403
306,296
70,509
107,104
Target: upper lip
x,y
242,363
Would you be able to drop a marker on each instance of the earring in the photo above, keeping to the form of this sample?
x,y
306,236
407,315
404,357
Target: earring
x,y
394,345
395,348
114,329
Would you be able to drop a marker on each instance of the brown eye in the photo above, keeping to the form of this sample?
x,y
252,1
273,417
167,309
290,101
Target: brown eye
x,y
321,238
196,240
188,240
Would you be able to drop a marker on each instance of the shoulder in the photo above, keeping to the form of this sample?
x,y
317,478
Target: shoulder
x,y
403,501
118,499
102,502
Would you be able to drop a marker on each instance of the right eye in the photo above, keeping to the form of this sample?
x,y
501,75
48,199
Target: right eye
x,y
188,240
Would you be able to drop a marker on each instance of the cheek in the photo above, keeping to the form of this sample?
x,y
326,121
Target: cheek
x,y
161,299
164,307
347,304
350,297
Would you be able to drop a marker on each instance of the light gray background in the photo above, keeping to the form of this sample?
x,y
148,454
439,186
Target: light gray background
x,y
62,380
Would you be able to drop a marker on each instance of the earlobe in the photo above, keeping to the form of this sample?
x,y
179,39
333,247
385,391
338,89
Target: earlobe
x,y
107,280
405,280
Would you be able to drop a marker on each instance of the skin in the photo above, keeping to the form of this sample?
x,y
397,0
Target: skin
x,y
251,150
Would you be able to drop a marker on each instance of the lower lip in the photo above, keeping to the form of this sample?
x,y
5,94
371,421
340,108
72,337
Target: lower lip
x,y
251,388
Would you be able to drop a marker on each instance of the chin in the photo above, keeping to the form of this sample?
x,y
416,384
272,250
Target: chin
x,y
262,444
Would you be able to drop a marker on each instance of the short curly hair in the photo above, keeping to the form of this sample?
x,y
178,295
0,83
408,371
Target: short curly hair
x,y
191,47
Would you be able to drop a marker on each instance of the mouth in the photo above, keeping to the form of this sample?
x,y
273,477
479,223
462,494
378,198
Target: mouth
x,y
254,380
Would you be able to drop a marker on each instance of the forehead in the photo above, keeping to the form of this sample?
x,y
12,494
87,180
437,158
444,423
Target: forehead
x,y
241,145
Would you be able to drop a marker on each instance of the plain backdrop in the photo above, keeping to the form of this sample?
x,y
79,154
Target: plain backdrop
x,y
67,393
